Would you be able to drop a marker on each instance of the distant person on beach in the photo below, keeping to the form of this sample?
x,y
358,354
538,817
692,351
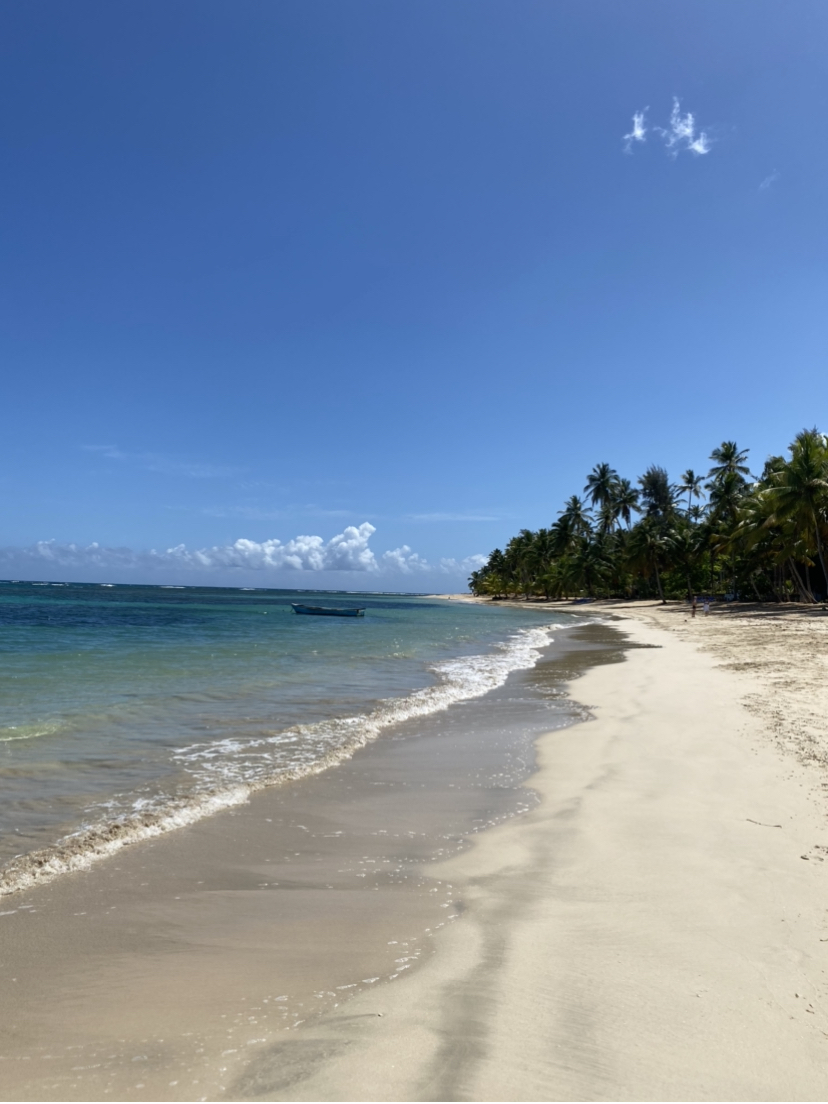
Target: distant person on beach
x,y
694,606
706,606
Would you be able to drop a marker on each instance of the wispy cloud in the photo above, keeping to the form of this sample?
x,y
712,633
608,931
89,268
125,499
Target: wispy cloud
x,y
249,513
451,517
638,132
164,465
254,512
680,135
451,566
769,181
346,551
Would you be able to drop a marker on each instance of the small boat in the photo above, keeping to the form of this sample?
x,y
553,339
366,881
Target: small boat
x,y
330,611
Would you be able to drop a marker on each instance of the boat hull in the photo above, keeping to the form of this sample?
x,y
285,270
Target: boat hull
x,y
329,611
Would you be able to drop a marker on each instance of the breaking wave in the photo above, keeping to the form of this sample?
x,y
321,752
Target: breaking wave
x,y
224,773
28,732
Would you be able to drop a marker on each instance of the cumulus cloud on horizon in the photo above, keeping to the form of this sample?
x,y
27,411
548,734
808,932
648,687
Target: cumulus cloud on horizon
x,y
680,135
347,551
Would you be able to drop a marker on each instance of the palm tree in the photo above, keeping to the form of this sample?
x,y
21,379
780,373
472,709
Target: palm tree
x,y
728,457
657,492
590,565
726,493
692,483
799,490
577,517
648,542
600,484
607,517
769,535
686,548
519,558
624,500
542,551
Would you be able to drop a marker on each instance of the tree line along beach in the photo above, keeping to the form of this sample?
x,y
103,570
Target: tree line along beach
x,y
757,537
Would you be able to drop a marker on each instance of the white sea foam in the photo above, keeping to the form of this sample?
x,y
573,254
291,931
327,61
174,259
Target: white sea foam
x,y
225,773
28,732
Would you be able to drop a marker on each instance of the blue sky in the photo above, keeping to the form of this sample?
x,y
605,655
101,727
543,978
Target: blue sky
x,y
273,270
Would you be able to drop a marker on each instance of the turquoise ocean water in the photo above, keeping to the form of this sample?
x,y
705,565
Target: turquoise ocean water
x,y
127,711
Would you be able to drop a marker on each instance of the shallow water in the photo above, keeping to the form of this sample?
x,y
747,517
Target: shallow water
x,y
129,711
234,936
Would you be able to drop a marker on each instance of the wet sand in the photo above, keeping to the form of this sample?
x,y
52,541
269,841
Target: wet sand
x,y
655,929
178,967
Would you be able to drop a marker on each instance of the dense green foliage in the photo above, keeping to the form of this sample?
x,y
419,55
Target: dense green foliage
x,y
753,538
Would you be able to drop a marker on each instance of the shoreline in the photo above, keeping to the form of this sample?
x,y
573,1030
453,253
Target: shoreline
x,y
650,931
230,934
100,836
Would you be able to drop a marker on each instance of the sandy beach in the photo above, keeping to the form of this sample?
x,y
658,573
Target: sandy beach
x,y
655,927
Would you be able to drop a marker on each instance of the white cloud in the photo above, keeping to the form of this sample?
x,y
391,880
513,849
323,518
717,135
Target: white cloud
x,y
404,560
348,551
769,181
679,136
682,133
638,132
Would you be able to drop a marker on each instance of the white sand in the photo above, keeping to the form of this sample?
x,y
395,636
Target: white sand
x,y
647,933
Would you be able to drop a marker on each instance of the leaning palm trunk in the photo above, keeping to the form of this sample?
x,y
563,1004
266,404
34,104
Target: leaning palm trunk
x,y
804,593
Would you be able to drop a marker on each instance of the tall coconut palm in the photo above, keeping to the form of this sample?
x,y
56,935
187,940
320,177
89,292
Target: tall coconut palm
x,y
728,457
577,517
590,565
686,545
726,493
625,500
647,545
692,483
519,557
600,484
607,517
799,491
542,551
657,492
